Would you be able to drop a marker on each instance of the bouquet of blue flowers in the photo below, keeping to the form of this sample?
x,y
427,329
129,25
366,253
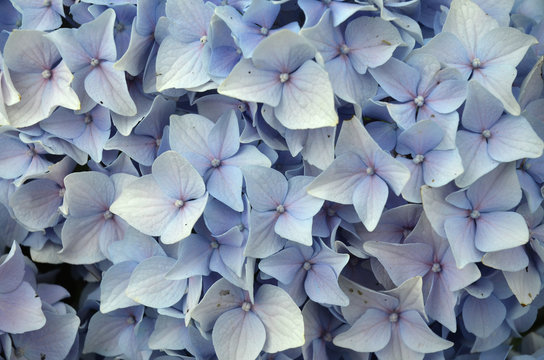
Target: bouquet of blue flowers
x,y
271,179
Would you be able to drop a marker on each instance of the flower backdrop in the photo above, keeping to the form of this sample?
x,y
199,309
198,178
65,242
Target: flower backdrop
x,y
271,179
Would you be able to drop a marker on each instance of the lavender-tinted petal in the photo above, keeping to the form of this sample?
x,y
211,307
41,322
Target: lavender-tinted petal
x,y
88,193
283,265
281,318
53,340
263,240
525,283
500,230
308,100
291,228
169,333
12,269
222,292
402,262
96,37
266,188
21,310
36,204
436,172
371,332
321,285
148,285
483,316
367,50
80,239
108,87
339,181
417,335
486,195
369,199
461,233
513,138
194,258
114,283
238,334
176,177
182,224
398,79
249,83
476,160
509,260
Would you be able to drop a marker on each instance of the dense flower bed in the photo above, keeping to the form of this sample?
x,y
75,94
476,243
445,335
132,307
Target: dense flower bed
x,y
255,179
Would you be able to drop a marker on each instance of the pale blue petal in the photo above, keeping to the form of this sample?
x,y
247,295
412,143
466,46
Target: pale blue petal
x,y
367,50
321,285
371,332
500,230
148,285
113,285
263,240
249,83
108,87
266,188
238,335
369,199
169,333
483,316
308,100
513,138
398,79
281,317
417,335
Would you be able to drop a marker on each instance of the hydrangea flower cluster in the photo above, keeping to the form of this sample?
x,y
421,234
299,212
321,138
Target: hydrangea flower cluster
x,y
271,179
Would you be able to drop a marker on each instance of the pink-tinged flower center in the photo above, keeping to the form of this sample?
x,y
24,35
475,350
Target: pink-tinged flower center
x,y
476,63
486,134
436,268
344,49
284,77
264,31
370,171
246,306
178,203
307,266
203,39
95,62
280,209
107,215
46,74
418,159
215,162
419,101
474,214
393,317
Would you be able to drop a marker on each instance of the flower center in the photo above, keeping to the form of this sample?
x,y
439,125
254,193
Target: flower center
x,y
264,31
46,74
419,101
241,227
344,49
331,212
95,62
393,317
158,142
370,171
418,159
62,192
88,118
119,27
46,3
215,162
307,266
486,134
242,107
436,268
476,63
284,77
214,244
474,214
178,203
246,306
203,39
107,215
327,337
280,209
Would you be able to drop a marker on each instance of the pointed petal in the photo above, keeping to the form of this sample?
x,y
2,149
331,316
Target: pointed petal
x,y
398,79
513,138
108,87
149,286
265,187
369,199
114,283
500,230
483,316
417,335
281,318
371,332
